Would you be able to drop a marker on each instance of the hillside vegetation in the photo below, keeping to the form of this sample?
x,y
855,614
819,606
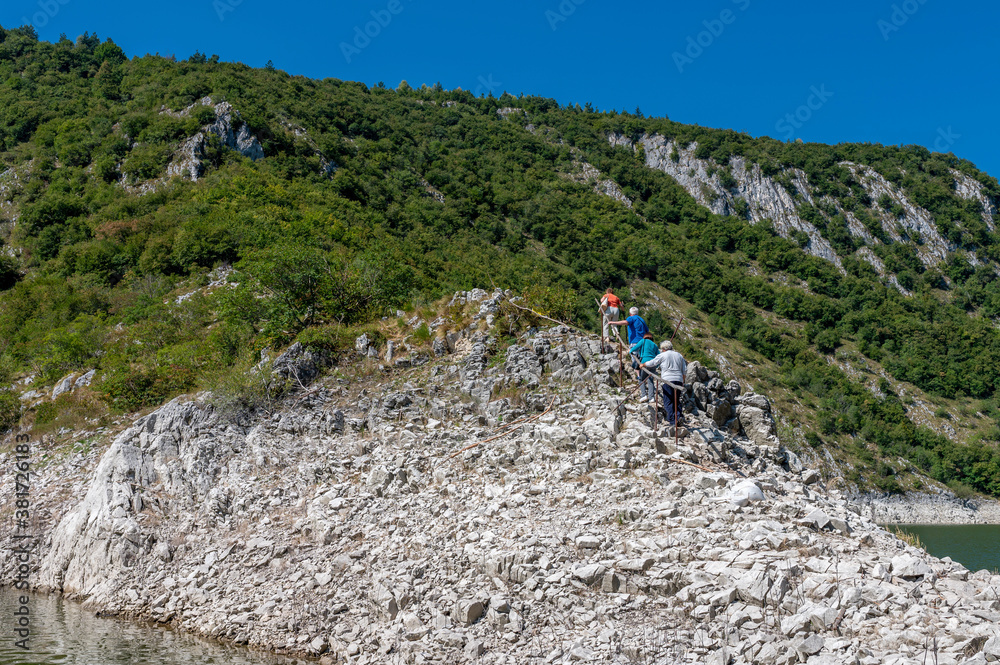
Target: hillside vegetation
x,y
129,187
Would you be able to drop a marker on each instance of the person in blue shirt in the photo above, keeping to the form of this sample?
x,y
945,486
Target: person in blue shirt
x,y
645,350
637,327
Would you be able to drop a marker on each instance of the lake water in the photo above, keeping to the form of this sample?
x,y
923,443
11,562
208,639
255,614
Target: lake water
x,y
975,546
62,632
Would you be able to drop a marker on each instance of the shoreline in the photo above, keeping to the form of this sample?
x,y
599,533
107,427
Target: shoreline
x,y
924,508
344,527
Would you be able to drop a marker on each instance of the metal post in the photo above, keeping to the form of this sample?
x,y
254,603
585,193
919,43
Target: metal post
x,y
656,402
676,419
621,367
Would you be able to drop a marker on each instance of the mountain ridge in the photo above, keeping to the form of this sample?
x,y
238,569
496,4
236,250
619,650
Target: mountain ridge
x,y
436,190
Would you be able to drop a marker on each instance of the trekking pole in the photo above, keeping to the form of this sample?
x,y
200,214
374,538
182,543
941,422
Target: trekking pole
x,y
677,328
621,367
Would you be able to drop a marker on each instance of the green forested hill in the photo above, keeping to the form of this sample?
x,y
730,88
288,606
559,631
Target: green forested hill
x,y
429,191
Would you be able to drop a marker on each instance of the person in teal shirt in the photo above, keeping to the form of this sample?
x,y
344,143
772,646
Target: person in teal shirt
x,y
645,350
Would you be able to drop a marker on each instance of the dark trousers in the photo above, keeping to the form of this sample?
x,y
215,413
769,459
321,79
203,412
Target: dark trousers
x,y
669,395
647,386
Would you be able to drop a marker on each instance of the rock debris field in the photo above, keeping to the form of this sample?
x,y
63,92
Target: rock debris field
x,y
361,523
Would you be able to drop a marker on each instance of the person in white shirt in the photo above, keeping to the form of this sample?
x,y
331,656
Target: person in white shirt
x,y
672,368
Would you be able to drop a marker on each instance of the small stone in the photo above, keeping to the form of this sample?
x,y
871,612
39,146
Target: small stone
x,y
474,649
818,519
809,646
906,565
590,574
611,583
467,612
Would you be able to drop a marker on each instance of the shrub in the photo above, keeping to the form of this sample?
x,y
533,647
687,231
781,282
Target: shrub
x,y
422,333
244,391
137,386
827,340
336,340
10,409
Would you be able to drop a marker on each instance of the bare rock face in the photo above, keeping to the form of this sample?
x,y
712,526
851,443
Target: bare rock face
x,y
391,518
742,189
231,131
101,534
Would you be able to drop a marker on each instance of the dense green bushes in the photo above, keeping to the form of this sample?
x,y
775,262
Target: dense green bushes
x,y
434,192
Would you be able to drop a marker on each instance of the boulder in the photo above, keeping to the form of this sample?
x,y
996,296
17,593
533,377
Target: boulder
x,y
85,379
696,373
719,412
757,401
757,424
65,385
702,398
298,365
906,565
746,492
467,612
361,345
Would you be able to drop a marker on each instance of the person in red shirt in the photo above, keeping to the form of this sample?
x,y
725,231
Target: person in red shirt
x,y
611,306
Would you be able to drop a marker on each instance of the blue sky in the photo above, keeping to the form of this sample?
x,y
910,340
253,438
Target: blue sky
x,y
891,72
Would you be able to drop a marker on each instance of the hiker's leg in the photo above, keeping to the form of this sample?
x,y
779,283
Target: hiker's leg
x,y
668,400
610,314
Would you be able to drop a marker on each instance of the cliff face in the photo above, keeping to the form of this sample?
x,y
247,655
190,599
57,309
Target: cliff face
x,y
492,504
757,197
227,126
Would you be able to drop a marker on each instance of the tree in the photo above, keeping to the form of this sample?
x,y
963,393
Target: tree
x,y
109,80
109,52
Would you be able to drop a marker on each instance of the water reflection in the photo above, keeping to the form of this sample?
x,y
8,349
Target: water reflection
x,y
975,546
62,632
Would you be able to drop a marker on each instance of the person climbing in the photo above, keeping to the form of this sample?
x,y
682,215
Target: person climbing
x,y
672,367
610,308
645,350
637,327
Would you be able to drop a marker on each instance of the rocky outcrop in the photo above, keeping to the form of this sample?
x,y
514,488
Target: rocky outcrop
x,y
588,174
370,519
228,127
972,190
742,189
914,223
762,196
